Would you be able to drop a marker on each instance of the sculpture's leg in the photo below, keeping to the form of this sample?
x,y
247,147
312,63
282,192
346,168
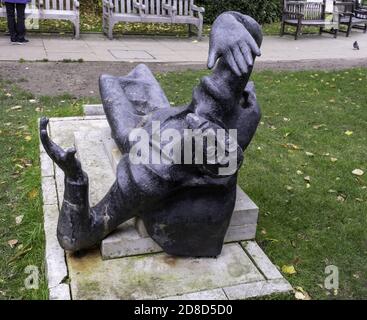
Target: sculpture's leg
x,y
128,102
121,114
81,227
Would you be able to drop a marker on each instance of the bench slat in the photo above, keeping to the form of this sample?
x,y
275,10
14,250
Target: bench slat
x,y
180,8
128,6
158,7
186,8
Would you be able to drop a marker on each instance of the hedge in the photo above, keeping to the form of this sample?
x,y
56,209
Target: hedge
x,y
264,11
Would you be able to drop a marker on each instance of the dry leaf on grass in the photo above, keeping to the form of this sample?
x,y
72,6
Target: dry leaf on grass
x,y
358,172
16,108
289,269
301,294
33,194
19,219
12,243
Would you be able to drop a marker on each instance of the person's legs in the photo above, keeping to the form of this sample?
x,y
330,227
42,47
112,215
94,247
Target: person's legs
x,y
20,21
12,26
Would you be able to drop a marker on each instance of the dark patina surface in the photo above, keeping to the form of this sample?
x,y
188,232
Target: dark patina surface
x,y
186,208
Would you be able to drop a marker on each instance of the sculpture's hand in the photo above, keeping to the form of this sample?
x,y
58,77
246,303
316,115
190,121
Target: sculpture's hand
x,y
231,41
66,160
221,153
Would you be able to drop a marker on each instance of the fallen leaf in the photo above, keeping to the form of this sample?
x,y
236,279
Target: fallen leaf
x,y
12,243
289,188
348,132
33,194
358,172
333,159
340,198
308,186
289,269
16,108
307,179
27,138
301,294
299,172
291,146
32,101
318,126
19,219
309,154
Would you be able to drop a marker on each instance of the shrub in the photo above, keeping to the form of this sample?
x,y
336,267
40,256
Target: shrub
x,y
264,11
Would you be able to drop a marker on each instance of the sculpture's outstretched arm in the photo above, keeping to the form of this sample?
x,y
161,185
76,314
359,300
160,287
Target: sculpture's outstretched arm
x,y
236,38
79,226
226,94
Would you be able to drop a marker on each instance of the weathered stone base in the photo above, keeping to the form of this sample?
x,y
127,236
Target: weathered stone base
x,y
241,271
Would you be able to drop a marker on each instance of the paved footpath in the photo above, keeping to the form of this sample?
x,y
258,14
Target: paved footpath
x,y
94,47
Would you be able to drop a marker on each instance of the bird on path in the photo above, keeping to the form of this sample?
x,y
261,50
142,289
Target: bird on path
x,y
356,45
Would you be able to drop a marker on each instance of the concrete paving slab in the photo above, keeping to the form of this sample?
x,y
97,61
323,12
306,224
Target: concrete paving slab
x,y
96,47
158,276
124,55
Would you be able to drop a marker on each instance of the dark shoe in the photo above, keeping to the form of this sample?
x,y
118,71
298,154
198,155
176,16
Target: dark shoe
x,y
23,41
14,42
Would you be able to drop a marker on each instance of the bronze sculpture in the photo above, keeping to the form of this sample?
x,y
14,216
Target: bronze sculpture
x,y
186,206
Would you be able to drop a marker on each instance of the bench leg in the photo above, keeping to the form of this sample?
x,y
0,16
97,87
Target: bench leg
x,y
349,30
365,28
110,30
76,25
104,24
298,31
282,29
200,27
335,33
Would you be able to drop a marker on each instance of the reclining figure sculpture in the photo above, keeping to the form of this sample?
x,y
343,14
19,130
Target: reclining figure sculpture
x,y
186,207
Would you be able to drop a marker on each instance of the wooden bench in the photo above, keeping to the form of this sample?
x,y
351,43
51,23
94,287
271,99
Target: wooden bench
x,y
352,15
306,13
52,9
152,11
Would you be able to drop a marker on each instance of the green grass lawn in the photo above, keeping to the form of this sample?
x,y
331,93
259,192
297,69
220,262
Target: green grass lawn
x,y
313,210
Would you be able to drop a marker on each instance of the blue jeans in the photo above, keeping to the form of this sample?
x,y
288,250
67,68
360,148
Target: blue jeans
x,y
16,25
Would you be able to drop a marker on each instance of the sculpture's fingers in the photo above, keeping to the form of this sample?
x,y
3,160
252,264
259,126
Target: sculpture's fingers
x,y
237,54
232,63
253,45
213,57
247,55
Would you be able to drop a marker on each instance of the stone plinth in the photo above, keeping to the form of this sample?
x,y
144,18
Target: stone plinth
x,y
241,271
